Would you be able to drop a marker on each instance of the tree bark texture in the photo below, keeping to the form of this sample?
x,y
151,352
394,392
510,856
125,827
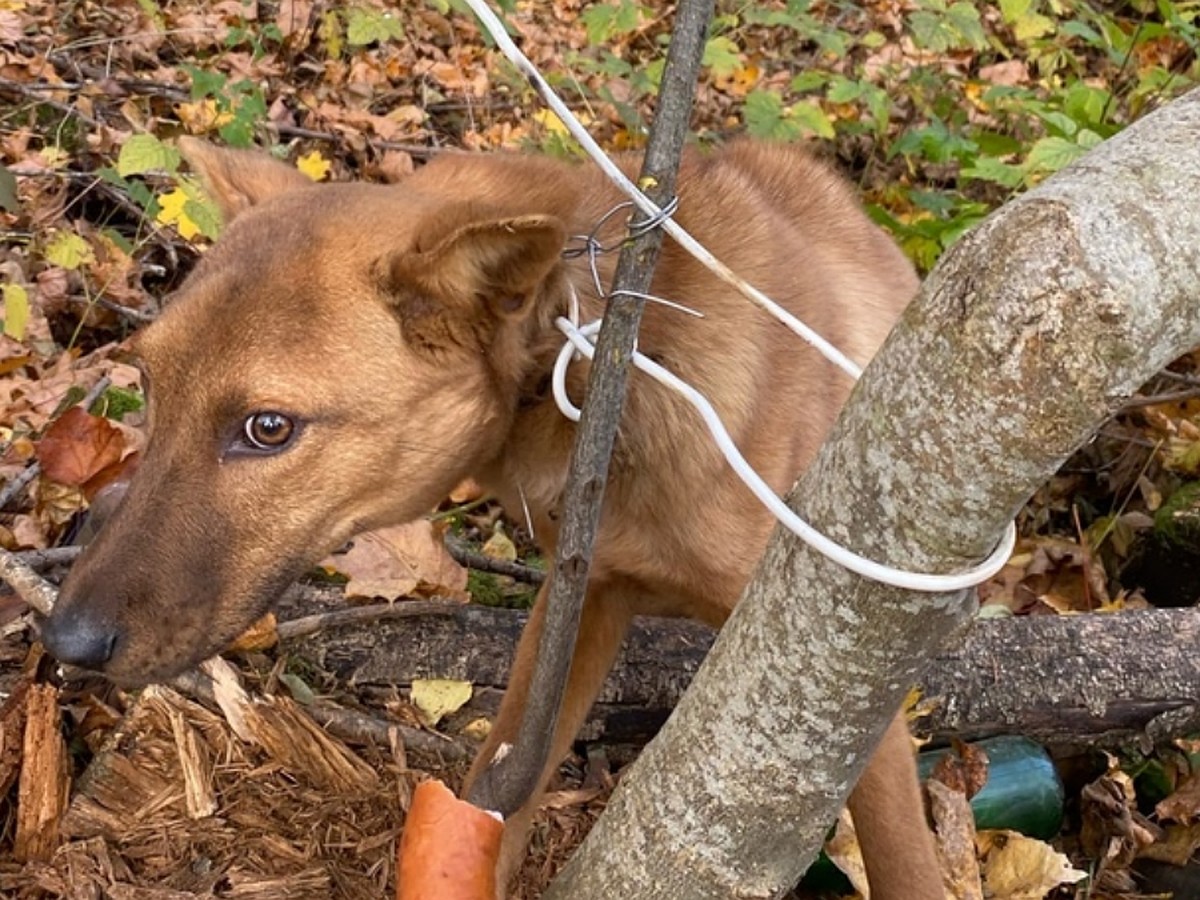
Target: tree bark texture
x,y
1027,335
1072,681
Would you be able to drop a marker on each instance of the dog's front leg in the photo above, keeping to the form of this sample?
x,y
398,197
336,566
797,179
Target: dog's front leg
x,y
889,818
607,612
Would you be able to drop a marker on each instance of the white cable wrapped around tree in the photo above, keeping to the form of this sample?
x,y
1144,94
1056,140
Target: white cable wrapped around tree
x,y
1022,342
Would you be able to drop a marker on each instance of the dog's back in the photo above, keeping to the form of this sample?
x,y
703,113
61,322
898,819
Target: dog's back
x,y
677,521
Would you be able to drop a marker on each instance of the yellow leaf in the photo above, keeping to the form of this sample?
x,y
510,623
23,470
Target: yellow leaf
x,y
69,251
16,311
437,697
172,213
500,546
1016,867
202,116
553,124
259,636
314,165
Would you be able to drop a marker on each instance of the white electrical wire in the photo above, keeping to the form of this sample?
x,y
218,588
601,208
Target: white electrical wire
x,y
579,339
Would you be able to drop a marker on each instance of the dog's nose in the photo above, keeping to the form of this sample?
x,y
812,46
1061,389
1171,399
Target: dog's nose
x,y
79,640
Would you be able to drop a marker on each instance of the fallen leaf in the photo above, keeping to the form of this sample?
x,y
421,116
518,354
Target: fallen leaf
x,y
1016,867
16,311
68,250
964,770
436,698
500,546
314,165
467,490
1113,832
259,636
1183,805
77,445
401,560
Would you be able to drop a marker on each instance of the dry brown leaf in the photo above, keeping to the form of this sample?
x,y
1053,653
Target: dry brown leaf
x,y
398,561
1113,832
1183,805
467,490
1176,847
78,445
964,770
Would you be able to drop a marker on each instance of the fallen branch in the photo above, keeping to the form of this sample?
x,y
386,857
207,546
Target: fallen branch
x,y
1094,680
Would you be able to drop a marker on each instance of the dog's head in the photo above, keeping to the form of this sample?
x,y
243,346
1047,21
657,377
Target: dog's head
x,y
339,360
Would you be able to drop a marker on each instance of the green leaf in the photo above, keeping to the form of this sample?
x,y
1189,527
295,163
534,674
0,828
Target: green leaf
x,y
8,191
1051,154
987,168
68,250
1031,27
146,153
722,56
368,26
16,311
763,112
1012,10
964,18
205,216
809,81
811,117
204,83
115,403
843,90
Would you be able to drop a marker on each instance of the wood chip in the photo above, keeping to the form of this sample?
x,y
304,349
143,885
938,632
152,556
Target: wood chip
x,y
197,768
45,781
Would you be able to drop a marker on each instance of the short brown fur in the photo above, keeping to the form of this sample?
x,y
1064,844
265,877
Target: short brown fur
x,y
408,330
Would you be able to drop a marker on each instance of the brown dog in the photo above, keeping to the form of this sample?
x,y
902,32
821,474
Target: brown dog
x,y
347,353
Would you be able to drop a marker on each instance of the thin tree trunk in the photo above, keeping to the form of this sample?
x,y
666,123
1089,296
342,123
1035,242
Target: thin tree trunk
x,y
1022,341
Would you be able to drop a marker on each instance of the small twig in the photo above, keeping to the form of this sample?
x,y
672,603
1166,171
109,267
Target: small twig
x,y
1155,399
482,563
356,615
29,585
16,487
49,558
347,724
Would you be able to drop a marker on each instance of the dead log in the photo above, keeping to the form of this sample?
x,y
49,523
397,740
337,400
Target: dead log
x,y
1096,680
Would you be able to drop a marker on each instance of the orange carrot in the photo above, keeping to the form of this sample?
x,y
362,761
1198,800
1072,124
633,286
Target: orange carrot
x,y
449,848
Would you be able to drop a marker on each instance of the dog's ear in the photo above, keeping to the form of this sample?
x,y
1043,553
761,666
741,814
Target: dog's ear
x,y
239,179
495,265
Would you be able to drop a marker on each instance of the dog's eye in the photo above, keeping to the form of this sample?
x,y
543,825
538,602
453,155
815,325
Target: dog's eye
x,y
268,430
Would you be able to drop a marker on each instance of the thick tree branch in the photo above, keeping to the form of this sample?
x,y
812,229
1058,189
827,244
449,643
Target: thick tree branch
x,y
1029,333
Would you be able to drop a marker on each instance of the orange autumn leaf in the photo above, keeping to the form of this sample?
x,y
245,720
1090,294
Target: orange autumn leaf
x,y
78,445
